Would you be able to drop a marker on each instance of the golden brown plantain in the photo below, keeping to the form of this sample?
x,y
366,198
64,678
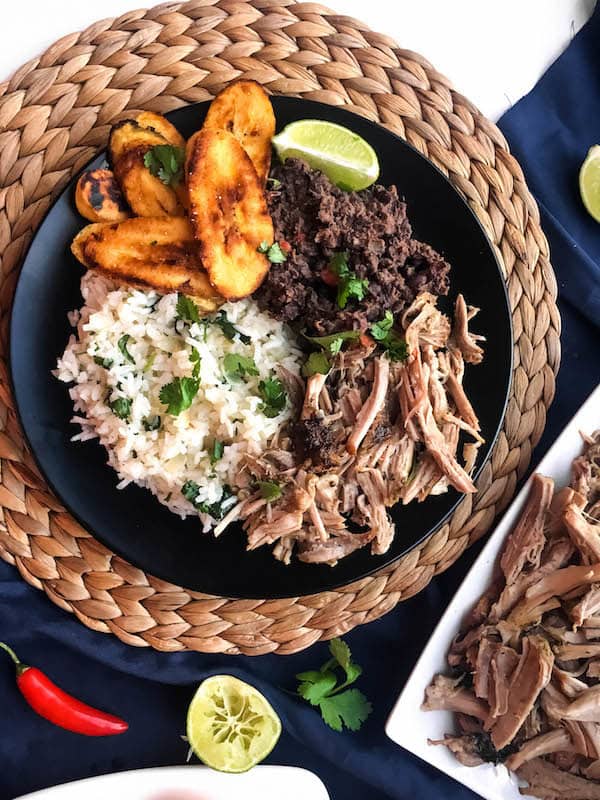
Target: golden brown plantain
x,y
159,253
244,110
228,212
146,194
99,198
148,119
129,134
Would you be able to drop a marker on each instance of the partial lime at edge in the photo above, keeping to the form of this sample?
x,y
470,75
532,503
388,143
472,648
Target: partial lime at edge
x,y
344,156
589,182
231,726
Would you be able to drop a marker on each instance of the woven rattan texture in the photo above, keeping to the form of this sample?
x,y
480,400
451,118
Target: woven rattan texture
x,y
56,113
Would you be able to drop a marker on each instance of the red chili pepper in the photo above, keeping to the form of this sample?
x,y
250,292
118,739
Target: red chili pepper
x,y
60,708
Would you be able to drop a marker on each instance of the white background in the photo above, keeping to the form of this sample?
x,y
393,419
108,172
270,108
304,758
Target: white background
x,y
493,52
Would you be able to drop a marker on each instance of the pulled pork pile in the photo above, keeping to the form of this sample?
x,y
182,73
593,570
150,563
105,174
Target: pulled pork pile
x,y
371,432
526,685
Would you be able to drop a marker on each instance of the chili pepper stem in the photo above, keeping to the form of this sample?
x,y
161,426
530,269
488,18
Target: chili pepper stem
x,y
18,664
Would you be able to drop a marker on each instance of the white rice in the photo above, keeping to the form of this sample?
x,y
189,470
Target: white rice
x,y
223,410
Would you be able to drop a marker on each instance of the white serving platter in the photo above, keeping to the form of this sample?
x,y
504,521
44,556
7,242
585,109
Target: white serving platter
x,y
192,783
410,727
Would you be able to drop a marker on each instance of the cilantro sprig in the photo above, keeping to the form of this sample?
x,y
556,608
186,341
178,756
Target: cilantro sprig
x,y
217,451
274,397
236,367
121,407
384,334
217,510
269,490
179,394
349,285
273,252
228,328
165,162
316,362
186,309
326,690
122,345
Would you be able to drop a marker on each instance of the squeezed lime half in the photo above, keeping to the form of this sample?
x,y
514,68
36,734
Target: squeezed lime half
x,y
345,157
231,726
589,182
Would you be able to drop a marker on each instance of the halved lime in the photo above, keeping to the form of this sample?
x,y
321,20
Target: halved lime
x,y
589,182
342,155
230,725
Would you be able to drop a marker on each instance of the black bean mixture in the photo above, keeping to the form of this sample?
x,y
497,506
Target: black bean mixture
x,y
318,221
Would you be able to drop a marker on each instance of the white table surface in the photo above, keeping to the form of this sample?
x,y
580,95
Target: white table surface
x,y
493,50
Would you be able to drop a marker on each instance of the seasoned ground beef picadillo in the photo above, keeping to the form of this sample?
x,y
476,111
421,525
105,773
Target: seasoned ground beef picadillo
x,y
318,220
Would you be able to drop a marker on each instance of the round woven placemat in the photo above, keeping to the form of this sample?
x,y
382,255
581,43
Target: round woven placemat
x,y
56,113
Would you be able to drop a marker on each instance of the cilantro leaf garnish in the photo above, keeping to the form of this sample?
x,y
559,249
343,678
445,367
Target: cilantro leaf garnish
x,y
121,407
149,362
383,332
380,330
103,362
236,367
217,451
333,343
190,490
269,490
273,252
151,423
122,345
229,329
349,285
339,705
165,162
196,360
179,394
186,309
316,362
274,397
350,708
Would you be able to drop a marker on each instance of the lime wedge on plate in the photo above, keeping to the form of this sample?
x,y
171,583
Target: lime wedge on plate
x,y
230,725
589,182
342,155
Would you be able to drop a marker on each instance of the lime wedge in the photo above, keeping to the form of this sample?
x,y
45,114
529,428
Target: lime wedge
x,y
230,725
342,155
589,182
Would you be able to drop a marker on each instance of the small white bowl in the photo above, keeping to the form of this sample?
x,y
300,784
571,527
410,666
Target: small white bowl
x,y
192,783
408,725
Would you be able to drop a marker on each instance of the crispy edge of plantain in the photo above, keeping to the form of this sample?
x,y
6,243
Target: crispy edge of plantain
x,y
162,126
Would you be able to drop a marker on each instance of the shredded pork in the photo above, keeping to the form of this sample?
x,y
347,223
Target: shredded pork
x,y
530,648
373,431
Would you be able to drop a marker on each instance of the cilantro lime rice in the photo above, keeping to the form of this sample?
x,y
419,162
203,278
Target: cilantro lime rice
x,y
176,399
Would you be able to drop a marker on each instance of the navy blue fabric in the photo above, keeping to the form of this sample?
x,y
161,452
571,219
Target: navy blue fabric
x,y
549,131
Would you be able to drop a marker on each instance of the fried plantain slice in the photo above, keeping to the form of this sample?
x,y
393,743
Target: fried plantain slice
x,y
148,194
159,253
244,110
98,197
228,212
162,126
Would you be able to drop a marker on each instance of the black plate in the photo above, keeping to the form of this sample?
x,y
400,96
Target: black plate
x,y
131,522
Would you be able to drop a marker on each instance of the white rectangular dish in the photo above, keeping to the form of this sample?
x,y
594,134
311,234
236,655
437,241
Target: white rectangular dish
x,y
410,727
